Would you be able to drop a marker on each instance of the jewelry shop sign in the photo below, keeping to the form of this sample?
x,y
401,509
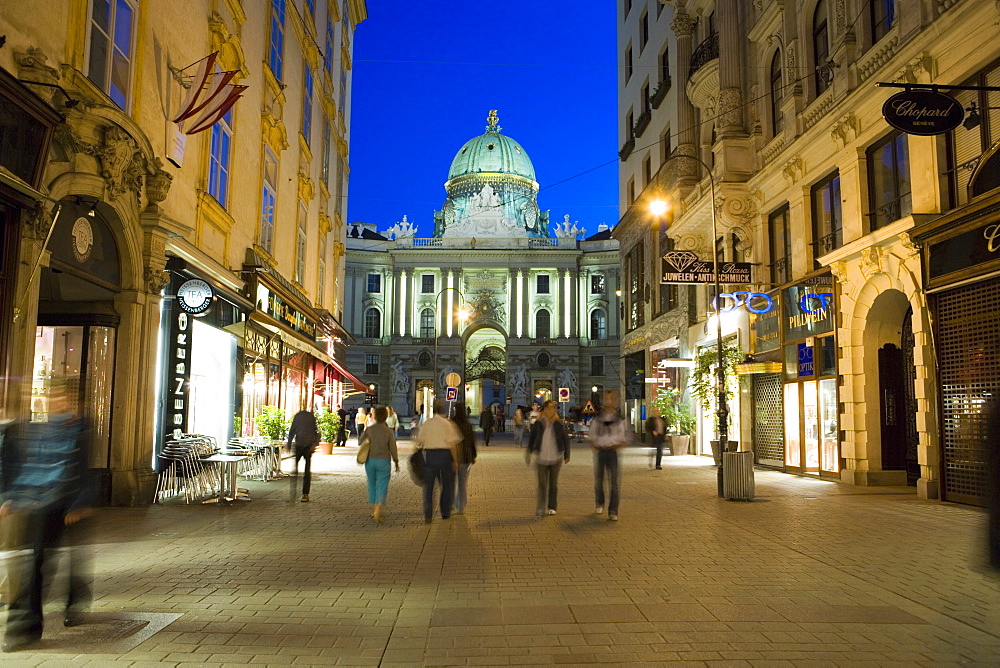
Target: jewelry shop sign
x,y
964,251
922,112
686,267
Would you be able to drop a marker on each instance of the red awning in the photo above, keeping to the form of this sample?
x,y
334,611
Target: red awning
x,y
359,384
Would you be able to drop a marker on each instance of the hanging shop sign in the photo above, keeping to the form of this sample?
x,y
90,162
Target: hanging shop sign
x,y
963,251
285,313
922,112
685,267
754,302
807,310
195,296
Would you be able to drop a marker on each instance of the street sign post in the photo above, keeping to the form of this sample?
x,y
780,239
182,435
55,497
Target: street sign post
x,y
563,395
451,394
453,379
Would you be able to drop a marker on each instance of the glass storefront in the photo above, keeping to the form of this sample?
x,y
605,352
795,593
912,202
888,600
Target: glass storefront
x,y
212,382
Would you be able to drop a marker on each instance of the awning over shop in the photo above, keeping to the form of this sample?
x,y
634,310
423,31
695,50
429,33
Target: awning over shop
x,y
359,384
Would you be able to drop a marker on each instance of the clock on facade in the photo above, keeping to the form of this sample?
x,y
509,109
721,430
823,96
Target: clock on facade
x,y
195,296
83,239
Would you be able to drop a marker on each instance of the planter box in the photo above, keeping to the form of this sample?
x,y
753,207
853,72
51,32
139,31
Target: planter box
x,y
679,444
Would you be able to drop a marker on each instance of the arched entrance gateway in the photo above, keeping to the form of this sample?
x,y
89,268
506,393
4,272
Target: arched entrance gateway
x,y
485,368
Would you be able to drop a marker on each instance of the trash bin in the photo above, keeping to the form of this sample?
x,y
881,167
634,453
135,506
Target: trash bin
x,y
737,475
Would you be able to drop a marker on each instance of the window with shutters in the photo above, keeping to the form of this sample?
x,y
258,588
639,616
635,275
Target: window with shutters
x,y
965,145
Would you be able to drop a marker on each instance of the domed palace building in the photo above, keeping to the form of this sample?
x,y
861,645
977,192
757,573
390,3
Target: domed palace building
x,y
515,306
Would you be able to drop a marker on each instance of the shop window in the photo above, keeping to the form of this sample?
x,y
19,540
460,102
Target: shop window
x,y
543,324
276,42
597,284
889,197
371,364
827,220
375,283
307,103
427,283
821,47
109,63
880,15
598,325
373,323
780,238
826,356
427,323
777,96
218,166
268,200
542,284
597,365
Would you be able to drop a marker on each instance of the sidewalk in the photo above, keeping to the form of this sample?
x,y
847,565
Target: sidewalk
x,y
812,573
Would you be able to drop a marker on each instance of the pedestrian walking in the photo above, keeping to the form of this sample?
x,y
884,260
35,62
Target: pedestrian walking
x,y
342,430
381,454
303,437
46,498
486,422
519,424
608,435
360,420
392,421
549,442
466,457
656,427
536,411
501,426
439,439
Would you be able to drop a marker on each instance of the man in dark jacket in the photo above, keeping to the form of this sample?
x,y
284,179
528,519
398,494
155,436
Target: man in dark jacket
x,y
486,422
305,436
45,497
342,431
656,427
549,441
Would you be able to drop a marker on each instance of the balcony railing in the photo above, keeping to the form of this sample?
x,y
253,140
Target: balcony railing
x,y
890,212
706,52
546,341
827,243
781,270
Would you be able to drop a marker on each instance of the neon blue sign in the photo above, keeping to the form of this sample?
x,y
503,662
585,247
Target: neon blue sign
x,y
738,298
808,301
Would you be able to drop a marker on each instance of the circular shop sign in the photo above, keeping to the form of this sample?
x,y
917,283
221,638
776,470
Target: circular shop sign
x,y
922,112
195,296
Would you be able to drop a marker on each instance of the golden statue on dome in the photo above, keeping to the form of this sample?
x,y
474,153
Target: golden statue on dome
x,y
493,119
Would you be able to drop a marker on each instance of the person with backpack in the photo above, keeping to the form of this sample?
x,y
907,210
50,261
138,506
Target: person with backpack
x,y
303,437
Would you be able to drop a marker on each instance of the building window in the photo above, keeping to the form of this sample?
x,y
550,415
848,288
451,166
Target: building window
x,y
781,246
300,245
643,31
821,46
342,100
597,284
276,44
777,96
888,181
374,282
307,105
341,195
881,15
373,323
427,323
628,7
268,201
647,171
966,145
424,359
628,63
631,191
668,293
109,64
543,321
665,146
597,365
665,68
328,48
371,364
542,284
427,283
828,223
543,359
321,272
327,138
598,325
644,94
637,280
218,166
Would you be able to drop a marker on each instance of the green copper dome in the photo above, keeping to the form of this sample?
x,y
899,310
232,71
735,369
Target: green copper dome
x,y
491,152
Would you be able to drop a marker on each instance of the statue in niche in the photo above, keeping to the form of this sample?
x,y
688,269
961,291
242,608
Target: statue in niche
x,y
518,381
399,378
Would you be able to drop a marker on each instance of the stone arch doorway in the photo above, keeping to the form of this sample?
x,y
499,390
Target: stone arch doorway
x,y
891,401
485,368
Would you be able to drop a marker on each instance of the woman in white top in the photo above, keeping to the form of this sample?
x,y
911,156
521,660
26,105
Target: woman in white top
x,y
392,421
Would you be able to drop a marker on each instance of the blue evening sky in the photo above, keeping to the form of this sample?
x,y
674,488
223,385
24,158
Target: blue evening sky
x,y
427,73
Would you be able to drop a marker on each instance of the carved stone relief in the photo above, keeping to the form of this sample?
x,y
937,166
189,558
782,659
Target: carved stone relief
x,y
155,279
839,271
872,261
845,130
793,170
730,107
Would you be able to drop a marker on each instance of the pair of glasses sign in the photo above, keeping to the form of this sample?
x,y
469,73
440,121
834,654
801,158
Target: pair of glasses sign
x,y
760,303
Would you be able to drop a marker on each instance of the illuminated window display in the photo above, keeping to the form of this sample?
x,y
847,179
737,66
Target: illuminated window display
x,y
212,382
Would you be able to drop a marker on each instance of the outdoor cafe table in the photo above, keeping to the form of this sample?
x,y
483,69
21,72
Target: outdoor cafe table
x,y
229,465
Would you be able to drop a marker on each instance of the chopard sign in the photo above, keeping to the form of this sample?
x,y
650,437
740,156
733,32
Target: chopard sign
x,y
922,112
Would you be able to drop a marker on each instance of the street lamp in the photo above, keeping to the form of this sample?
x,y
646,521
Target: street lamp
x,y
659,207
463,314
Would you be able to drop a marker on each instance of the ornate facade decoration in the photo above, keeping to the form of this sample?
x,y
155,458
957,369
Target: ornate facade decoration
x,y
730,107
845,130
793,170
155,279
31,66
122,165
912,249
157,184
872,261
37,222
683,24
839,271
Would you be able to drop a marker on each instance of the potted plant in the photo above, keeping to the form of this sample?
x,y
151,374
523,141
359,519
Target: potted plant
x,y
704,384
677,414
272,422
328,423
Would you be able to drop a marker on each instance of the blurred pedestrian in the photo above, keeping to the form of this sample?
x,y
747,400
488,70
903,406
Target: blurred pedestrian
x,y
439,439
342,430
536,411
392,421
46,496
360,420
608,435
486,423
500,419
381,449
549,442
519,424
466,457
656,427
303,437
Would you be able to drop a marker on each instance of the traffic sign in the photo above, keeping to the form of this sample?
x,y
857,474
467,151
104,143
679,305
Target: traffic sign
x,y
451,394
588,408
563,395
453,380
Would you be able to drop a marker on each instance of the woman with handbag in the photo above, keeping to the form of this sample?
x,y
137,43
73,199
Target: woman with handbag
x,y
378,447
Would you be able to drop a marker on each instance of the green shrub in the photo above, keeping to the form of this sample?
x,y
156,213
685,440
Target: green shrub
x,y
272,422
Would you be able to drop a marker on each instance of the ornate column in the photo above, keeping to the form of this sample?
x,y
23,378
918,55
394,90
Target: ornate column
x,y
512,303
687,140
525,303
731,49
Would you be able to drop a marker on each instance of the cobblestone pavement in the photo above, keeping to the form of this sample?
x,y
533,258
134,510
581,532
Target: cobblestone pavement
x,y
812,573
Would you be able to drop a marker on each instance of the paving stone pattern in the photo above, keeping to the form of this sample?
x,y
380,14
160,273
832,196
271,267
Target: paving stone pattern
x,y
811,573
